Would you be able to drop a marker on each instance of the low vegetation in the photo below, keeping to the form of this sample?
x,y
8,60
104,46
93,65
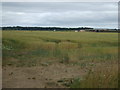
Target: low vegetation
x,y
96,53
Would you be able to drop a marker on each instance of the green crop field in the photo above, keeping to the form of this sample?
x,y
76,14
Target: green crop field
x,y
95,53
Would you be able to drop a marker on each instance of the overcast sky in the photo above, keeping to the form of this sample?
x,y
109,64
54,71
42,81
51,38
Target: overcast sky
x,y
96,15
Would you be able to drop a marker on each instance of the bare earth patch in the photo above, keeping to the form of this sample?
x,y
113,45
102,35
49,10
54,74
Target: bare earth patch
x,y
51,76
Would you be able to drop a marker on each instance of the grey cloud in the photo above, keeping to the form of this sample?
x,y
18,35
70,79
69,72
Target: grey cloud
x,y
60,14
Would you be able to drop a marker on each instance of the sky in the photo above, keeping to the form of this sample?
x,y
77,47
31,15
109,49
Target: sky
x,y
60,14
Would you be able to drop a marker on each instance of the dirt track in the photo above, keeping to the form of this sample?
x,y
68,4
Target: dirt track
x,y
41,76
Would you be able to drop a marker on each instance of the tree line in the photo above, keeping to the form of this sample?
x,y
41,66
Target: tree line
x,y
45,28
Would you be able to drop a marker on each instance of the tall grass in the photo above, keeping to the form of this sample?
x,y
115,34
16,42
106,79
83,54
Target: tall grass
x,y
75,46
103,76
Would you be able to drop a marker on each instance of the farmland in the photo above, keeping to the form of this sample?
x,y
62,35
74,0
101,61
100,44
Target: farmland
x,y
43,59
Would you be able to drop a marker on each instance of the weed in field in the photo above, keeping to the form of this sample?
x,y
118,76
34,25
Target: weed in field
x,y
65,59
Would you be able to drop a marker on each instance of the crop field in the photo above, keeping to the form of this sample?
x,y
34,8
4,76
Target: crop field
x,y
44,59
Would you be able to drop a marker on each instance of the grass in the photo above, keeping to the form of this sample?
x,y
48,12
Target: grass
x,y
95,52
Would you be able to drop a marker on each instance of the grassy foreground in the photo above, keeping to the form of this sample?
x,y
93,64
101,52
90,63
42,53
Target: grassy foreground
x,y
97,53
